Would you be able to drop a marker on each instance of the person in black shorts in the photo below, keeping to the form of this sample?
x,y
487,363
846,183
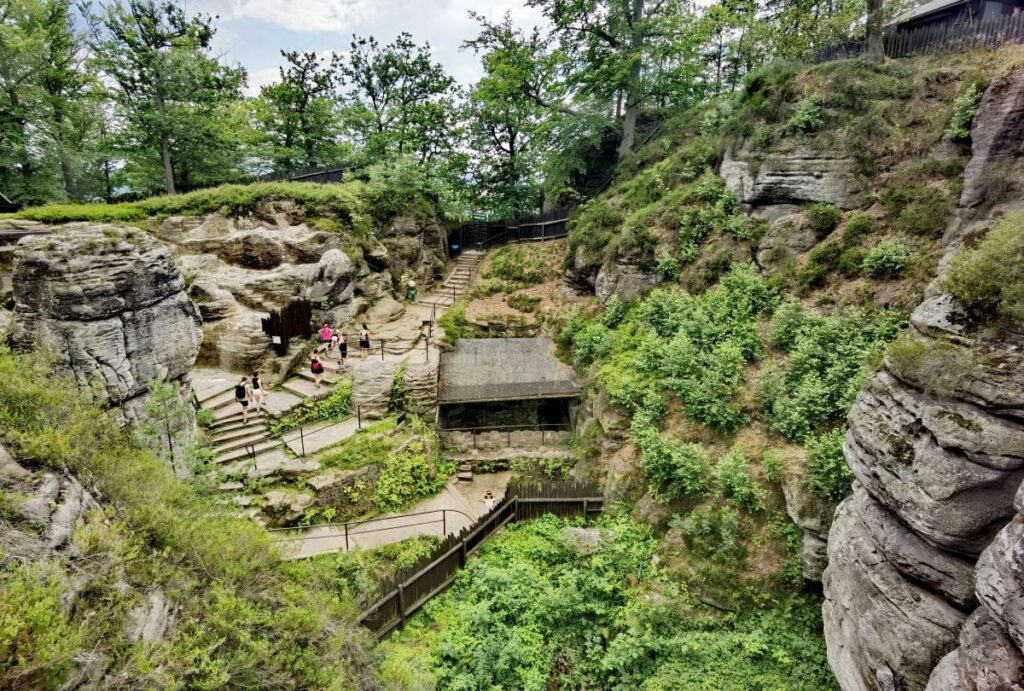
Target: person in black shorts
x,y
364,341
242,396
342,347
316,367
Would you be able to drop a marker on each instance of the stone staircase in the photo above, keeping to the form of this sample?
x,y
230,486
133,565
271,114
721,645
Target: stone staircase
x,y
457,282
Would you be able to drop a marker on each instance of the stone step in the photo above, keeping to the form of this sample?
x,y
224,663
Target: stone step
x,y
465,467
240,442
465,477
228,415
235,432
225,398
329,377
307,389
236,454
234,428
216,394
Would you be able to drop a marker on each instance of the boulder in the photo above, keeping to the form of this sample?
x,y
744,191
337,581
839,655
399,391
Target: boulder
x,y
987,660
349,491
813,515
287,506
625,279
10,470
787,237
385,309
421,381
797,175
372,381
883,629
150,621
38,507
111,305
213,301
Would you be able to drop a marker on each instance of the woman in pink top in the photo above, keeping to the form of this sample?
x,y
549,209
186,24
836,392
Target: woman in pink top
x,y
325,336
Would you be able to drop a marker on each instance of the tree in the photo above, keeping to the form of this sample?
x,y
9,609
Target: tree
x,y
169,88
168,419
400,101
613,47
300,113
876,51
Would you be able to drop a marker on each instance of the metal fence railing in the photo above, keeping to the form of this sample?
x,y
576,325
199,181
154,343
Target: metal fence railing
x,y
405,594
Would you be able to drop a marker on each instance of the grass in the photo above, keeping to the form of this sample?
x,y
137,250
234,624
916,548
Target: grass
x,y
345,202
989,279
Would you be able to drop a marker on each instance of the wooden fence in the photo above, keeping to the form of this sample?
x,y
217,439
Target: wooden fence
x,y
480,234
951,35
409,590
294,319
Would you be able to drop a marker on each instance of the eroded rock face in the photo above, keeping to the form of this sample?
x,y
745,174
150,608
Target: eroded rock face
x,y
792,176
111,305
625,279
996,133
788,236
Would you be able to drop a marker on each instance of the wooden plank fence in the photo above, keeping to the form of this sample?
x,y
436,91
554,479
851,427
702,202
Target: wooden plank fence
x,y
481,234
293,320
955,34
409,590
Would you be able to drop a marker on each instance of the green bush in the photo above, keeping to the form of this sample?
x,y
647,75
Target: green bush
x,y
964,109
785,324
674,468
916,208
820,262
886,260
807,117
989,279
822,217
851,261
857,228
336,406
455,324
735,483
516,263
523,302
828,475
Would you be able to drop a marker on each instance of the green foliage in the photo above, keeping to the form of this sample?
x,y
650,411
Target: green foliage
x,y
167,416
204,418
851,261
674,468
398,397
535,612
519,264
828,358
886,259
37,636
772,467
786,324
735,483
614,312
964,108
857,228
938,366
989,279
807,117
822,217
822,259
828,475
916,207
335,407
523,302
455,324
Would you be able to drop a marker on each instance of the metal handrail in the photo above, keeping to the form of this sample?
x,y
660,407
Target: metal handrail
x,y
496,428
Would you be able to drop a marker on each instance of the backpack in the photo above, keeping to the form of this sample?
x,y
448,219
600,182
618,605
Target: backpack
x,y
317,367
239,391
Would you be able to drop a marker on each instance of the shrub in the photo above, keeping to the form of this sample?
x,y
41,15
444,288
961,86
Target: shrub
x,y
734,481
807,117
851,261
939,367
455,324
828,475
785,325
336,406
916,208
524,302
886,260
519,264
614,312
820,261
772,467
989,279
822,217
964,109
857,228
674,468
591,342
398,398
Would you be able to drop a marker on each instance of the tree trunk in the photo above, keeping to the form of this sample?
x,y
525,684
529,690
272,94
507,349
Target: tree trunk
x,y
633,97
875,49
165,144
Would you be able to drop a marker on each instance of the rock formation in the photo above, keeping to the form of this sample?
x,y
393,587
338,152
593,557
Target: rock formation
x,y
110,304
936,442
791,176
242,267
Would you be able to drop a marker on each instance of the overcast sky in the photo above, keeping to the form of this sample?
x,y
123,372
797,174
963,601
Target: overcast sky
x,y
253,32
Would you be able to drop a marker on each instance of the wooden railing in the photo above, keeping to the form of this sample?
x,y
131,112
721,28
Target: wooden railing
x,y
405,594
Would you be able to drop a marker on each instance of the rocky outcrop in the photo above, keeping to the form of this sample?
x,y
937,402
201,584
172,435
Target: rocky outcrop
x,y
626,279
110,304
421,380
936,442
813,515
245,266
996,134
788,236
794,176
372,382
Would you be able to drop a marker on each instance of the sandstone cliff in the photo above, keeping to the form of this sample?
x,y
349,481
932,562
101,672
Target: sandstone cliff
x,y
919,559
110,305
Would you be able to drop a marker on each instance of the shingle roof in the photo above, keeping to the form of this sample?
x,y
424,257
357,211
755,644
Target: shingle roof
x,y
925,9
504,369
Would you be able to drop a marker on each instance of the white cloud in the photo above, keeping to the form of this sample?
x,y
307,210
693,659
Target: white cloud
x,y
445,24
259,78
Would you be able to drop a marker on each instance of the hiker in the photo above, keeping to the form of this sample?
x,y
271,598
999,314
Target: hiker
x,y
342,347
259,395
326,335
242,396
336,342
364,341
489,501
316,367
410,291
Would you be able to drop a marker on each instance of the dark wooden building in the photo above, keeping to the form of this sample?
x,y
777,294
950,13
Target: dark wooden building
x,y
954,12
